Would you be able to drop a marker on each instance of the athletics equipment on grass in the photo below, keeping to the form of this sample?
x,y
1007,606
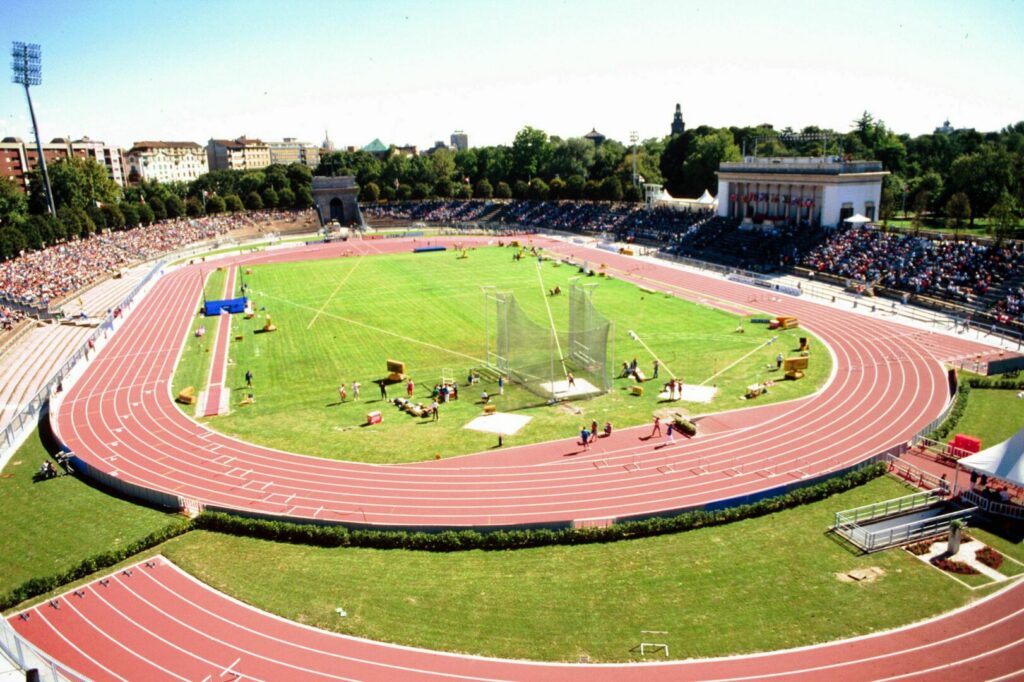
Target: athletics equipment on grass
x,y
531,355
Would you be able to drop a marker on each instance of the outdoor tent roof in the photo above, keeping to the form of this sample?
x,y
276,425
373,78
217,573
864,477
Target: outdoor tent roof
x,y
1004,461
706,198
857,219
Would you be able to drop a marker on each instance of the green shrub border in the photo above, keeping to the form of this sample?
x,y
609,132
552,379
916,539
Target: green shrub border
x,y
463,540
34,587
963,395
444,541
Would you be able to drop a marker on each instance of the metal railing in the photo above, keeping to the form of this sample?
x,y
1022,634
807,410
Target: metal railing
x,y
28,657
881,510
916,476
883,538
1013,511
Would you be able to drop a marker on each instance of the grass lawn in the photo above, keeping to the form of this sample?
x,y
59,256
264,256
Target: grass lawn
x,y
754,585
48,526
992,414
339,320
980,229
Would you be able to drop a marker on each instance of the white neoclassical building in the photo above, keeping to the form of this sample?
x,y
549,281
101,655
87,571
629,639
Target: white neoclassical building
x,y
820,192
166,161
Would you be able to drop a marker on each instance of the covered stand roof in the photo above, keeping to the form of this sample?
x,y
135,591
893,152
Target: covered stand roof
x,y
1004,461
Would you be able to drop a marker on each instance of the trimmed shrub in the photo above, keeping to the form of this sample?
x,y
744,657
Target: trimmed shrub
x,y
462,540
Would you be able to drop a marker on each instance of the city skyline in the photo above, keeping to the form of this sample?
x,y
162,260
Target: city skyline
x,y
412,74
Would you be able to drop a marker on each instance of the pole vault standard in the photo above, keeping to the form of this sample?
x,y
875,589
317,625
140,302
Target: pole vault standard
x,y
551,318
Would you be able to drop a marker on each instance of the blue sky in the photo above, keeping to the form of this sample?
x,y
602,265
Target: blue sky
x,y
412,72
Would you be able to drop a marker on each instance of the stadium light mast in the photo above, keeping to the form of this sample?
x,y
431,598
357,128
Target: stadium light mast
x,y
26,70
634,137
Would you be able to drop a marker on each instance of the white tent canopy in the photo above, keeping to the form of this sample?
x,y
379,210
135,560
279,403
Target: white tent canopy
x,y
706,199
1004,461
857,219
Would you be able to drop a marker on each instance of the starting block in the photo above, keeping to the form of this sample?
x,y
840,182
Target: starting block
x,y
636,390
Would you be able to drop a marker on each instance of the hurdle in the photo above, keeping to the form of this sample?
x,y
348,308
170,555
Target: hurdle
x,y
702,467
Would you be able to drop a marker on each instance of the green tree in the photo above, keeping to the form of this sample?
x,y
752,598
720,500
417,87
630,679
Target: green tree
x,y
299,175
520,189
1003,217
98,218
13,203
443,163
574,187
443,188
146,216
570,157
611,189
404,192
233,203
286,198
607,160
303,197
983,176
75,183
46,227
253,201
76,221
215,205
158,208
484,190
369,192
130,213
269,197
250,182
462,190
502,191
529,152
537,190
113,217
12,242
557,189
958,208
632,193
175,206
194,207
709,151
420,191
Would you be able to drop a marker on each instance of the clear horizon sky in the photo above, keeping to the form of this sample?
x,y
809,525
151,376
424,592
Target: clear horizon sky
x,y
413,72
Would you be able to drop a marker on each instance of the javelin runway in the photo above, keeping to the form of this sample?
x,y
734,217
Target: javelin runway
x,y
154,622
889,382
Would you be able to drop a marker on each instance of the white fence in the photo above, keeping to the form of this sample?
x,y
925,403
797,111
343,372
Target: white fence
x,y
27,657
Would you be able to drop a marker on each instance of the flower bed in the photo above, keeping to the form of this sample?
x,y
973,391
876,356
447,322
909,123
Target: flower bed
x,y
951,566
919,548
989,557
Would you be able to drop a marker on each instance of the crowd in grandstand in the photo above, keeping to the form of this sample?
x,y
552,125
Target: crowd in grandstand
x,y
429,211
958,270
36,278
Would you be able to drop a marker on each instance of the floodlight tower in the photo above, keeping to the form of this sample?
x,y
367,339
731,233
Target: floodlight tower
x,y
27,69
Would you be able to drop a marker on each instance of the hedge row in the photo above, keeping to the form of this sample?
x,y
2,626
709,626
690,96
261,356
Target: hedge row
x,y
445,541
955,414
461,540
1004,384
86,567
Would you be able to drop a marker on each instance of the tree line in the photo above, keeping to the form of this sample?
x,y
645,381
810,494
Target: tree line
x,y
88,201
960,175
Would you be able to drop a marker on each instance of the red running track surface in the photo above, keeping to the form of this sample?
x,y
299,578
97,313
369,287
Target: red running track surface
x,y
888,383
154,622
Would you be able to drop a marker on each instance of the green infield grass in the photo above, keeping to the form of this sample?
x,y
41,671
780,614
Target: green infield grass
x,y
340,320
996,413
50,525
755,585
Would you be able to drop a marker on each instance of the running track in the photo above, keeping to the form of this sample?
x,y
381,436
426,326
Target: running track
x,y
154,622
119,420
